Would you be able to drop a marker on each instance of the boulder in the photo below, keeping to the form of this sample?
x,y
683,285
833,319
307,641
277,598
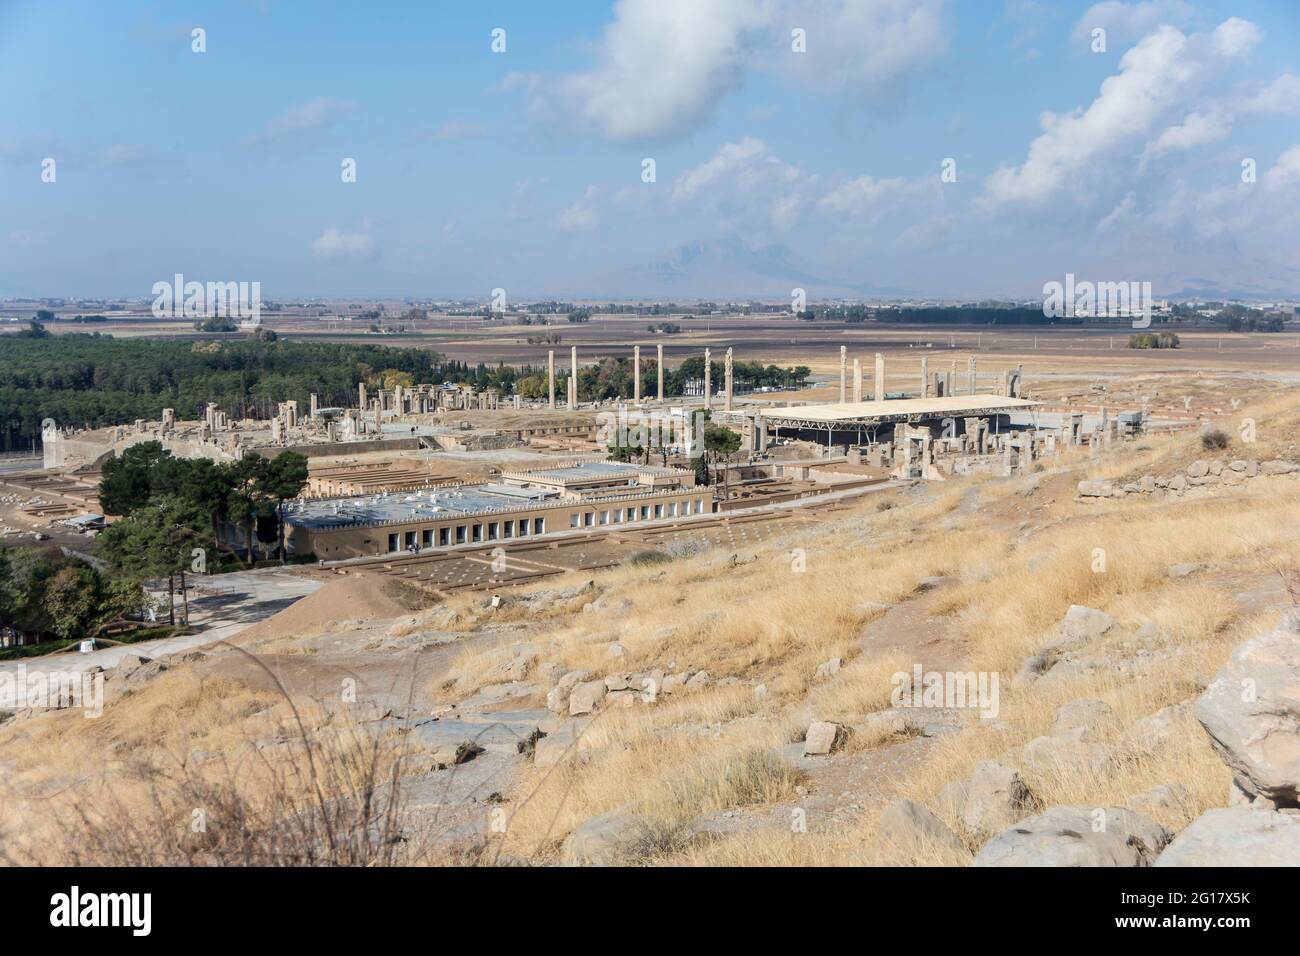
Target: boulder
x,y
1165,799
1079,719
1237,836
1178,483
1161,728
1077,836
909,826
827,669
1096,489
610,839
585,697
134,669
996,797
1198,469
822,737
1049,756
1251,710
449,755
1278,467
557,699
1082,624
698,680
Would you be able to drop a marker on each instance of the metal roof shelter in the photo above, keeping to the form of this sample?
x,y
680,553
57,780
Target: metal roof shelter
x,y
870,414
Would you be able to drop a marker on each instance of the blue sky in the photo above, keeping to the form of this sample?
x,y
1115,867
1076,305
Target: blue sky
x,y
773,168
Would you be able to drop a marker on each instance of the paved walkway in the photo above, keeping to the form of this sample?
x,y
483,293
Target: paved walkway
x,y
220,606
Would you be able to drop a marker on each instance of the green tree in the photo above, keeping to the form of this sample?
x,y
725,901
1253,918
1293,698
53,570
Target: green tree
x,y
73,600
721,443
283,479
157,541
126,481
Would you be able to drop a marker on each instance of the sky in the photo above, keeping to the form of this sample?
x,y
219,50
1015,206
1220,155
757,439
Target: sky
x,y
661,149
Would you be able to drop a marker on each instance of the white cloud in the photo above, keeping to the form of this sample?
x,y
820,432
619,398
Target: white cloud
x,y
747,181
312,114
1155,77
865,46
1235,36
863,196
1125,22
581,216
662,66
459,129
1215,122
1286,171
1196,130
335,244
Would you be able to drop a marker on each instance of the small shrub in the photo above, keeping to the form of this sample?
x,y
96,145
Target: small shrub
x,y
1214,439
647,558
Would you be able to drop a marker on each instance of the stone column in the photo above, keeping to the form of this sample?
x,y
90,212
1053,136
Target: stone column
x,y
972,385
844,361
573,377
728,380
361,396
925,376
660,348
708,381
879,382
636,374
315,404
857,379
550,378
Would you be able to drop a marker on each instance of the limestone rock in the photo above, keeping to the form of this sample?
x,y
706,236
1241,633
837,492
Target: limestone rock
x,y
1047,756
1085,623
450,755
585,697
823,737
1077,836
996,797
827,669
1162,799
1079,719
1096,489
1198,469
610,839
1251,710
1237,836
908,825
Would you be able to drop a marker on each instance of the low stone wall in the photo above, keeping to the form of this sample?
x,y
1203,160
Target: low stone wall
x,y
1198,477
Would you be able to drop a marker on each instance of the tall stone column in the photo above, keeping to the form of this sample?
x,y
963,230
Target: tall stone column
x,y
728,380
573,377
660,348
879,383
708,381
844,383
550,378
974,383
925,376
636,374
857,379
